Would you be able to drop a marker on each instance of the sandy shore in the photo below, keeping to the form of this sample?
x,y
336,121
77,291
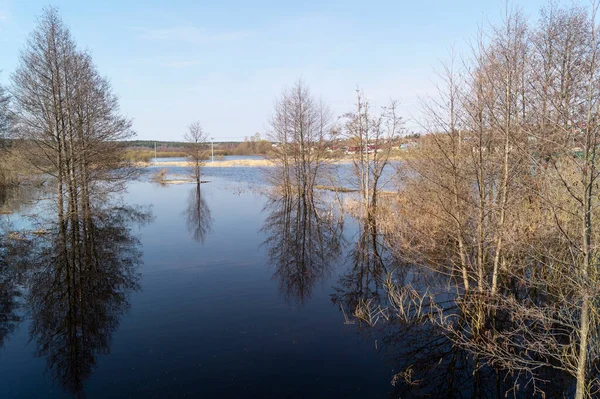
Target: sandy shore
x,y
219,164
244,163
229,164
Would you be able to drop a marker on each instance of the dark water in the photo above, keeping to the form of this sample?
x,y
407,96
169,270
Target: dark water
x,y
221,292
213,309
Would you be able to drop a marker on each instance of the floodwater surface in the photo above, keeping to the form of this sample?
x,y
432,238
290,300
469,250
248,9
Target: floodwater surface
x,y
201,299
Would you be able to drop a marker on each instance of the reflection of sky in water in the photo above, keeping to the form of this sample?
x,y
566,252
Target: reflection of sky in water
x,y
210,319
208,161
26,207
336,174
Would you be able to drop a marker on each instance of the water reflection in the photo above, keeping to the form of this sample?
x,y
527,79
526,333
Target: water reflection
x,y
304,237
14,248
9,306
369,263
18,199
199,219
424,360
426,363
79,288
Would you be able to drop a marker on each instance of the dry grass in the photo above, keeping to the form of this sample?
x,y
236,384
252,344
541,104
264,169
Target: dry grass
x,y
178,181
244,162
336,189
221,164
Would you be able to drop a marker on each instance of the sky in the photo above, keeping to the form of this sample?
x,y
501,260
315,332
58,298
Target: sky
x,y
224,63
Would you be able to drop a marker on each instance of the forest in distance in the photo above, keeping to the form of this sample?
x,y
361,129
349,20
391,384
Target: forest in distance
x,y
478,239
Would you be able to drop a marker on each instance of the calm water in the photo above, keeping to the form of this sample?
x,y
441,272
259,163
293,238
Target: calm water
x,y
217,158
331,175
212,310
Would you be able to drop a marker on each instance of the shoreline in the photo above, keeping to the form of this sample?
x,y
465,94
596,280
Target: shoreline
x,y
218,164
237,163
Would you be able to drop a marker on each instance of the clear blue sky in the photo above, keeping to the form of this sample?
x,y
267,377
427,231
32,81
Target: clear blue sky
x,y
224,62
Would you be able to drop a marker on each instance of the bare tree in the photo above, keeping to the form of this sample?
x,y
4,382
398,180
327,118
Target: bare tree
x,y
503,201
372,138
68,124
4,118
196,148
300,127
5,132
65,112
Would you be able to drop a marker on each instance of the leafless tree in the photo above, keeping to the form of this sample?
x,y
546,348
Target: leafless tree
x,y
255,145
5,132
68,124
196,148
502,198
67,117
4,117
372,139
301,128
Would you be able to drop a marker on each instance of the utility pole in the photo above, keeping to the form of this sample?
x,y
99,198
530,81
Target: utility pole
x,y
212,149
155,152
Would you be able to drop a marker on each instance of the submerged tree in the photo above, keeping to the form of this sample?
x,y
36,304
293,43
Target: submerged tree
x,y
372,137
67,118
196,149
301,127
68,125
503,199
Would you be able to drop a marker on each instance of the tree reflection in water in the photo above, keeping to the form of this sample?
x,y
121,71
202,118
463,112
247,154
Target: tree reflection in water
x,y
369,263
303,239
79,288
426,363
424,360
14,251
199,219
9,295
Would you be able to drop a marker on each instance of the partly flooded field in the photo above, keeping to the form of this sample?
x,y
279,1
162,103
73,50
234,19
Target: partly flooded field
x,y
227,291
203,307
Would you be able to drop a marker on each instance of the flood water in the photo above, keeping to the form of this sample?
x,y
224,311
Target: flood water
x,y
219,292
204,306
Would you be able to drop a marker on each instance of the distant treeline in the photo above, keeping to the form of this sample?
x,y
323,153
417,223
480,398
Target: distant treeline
x,y
171,144
151,143
143,150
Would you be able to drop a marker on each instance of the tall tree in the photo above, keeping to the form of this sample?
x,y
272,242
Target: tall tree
x,y
301,127
372,137
503,198
67,117
4,118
